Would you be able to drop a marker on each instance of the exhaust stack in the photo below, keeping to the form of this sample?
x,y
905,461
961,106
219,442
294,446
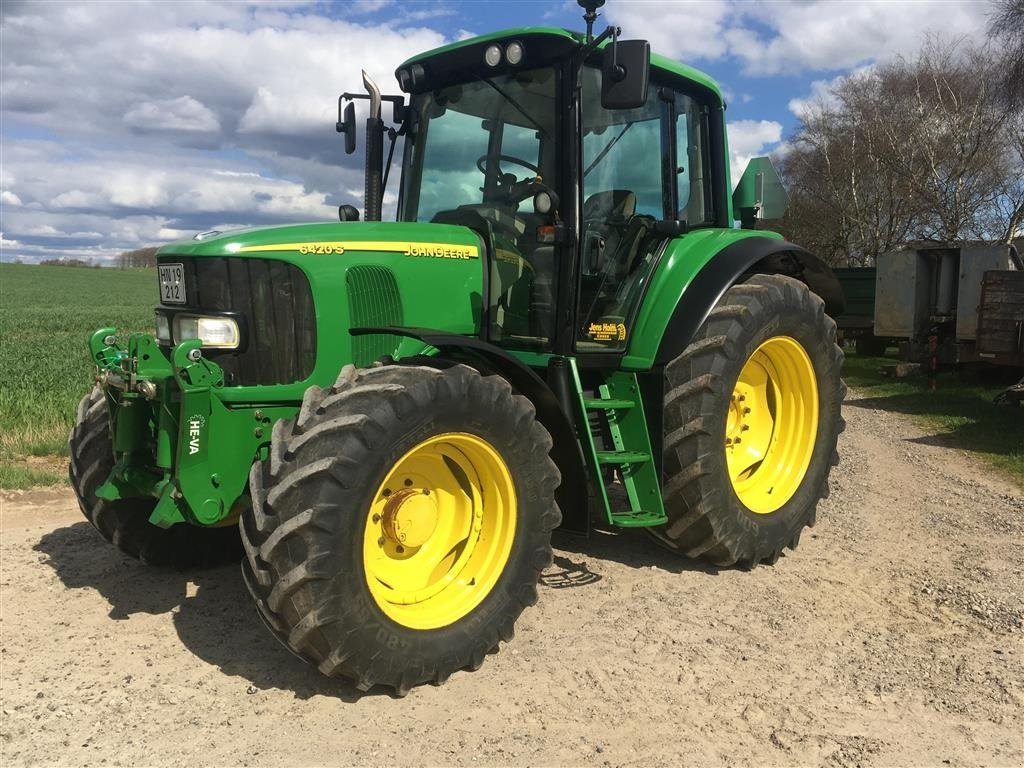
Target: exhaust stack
x,y
373,195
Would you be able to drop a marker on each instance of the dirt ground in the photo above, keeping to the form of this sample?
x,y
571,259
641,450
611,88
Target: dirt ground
x,y
892,636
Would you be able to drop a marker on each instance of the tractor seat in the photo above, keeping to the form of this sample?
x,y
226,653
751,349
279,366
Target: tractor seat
x,y
615,204
606,217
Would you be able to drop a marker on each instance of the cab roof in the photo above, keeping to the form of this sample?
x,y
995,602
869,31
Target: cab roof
x,y
658,62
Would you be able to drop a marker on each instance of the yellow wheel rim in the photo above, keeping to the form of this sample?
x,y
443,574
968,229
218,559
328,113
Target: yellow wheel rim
x,y
771,425
439,531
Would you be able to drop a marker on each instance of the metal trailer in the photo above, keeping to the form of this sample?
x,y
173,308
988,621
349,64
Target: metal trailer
x,y
931,297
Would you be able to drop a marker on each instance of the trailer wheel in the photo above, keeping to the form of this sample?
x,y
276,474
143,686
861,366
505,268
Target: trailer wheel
x,y
870,346
752,417
125,523
401,523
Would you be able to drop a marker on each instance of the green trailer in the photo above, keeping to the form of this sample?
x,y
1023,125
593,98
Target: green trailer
x,y
393,417
857,322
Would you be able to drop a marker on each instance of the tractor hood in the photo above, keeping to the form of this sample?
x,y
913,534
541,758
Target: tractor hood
x,y
443,241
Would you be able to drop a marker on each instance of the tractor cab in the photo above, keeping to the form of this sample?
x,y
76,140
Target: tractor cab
x,y
574,159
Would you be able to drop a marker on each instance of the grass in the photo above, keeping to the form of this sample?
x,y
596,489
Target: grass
x,y
46,316
961,407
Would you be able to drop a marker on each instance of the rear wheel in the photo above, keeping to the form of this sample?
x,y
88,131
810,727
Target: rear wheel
x,y
752,417
401,523
125,523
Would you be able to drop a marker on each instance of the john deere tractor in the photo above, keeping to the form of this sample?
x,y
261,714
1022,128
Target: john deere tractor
x,y
562,324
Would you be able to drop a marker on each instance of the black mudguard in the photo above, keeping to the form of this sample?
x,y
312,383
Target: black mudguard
x,y
752,255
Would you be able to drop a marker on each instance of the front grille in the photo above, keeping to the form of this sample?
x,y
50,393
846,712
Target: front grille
x,y
276,303
374,301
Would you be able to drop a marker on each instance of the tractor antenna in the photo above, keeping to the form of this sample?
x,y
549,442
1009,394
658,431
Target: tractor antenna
x,y
590,6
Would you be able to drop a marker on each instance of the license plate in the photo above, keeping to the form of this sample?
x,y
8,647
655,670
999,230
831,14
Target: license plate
x,y
172,284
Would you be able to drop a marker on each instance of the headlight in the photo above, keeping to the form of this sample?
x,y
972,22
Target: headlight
x,y
163,329
514,52
492,55
219,332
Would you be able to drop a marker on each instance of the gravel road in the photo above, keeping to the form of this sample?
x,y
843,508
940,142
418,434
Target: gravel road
x,y
891,637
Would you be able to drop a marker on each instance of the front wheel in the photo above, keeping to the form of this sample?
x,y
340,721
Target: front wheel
x,y
401,523
752,417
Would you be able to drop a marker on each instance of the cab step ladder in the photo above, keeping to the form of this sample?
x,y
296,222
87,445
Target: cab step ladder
x,y
619,404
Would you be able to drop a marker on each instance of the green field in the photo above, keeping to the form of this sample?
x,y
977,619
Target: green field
x,y
47,314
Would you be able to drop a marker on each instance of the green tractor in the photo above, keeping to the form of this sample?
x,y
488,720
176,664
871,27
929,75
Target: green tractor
x,y
562,324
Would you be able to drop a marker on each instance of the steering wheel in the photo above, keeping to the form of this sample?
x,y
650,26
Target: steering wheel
x,y
507,182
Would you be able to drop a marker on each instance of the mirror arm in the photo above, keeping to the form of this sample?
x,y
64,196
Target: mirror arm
x,y
589,48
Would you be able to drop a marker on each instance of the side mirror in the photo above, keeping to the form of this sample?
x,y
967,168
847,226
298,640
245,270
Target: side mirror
x,y
347,125
627,65
348,213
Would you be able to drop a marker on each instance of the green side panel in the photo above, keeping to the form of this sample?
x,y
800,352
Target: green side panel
x,y
683,258
373,300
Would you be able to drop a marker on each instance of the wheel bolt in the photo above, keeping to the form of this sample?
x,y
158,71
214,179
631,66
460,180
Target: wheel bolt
x,y
744,428
376,518
408,482
737,441
387,492
380,542
728,441
746,411
741,398
426,491
399,549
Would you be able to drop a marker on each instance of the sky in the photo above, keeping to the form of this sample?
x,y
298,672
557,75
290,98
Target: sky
x,y
127,124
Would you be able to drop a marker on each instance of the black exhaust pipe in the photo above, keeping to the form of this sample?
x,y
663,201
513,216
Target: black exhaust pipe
x,y
374,153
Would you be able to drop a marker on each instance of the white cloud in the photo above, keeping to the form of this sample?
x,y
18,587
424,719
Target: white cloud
x,y
691,30
830,36
181,114
750,138
792,36
221,115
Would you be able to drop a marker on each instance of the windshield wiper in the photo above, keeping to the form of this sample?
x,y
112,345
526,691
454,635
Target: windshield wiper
x,y
515,104
607,149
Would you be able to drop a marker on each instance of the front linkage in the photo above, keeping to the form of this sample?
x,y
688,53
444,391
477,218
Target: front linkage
x,y
174,438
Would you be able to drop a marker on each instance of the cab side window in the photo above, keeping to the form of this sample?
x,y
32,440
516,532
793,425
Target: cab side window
x,y
693,176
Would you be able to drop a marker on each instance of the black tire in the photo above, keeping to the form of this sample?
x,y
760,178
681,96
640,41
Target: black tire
x,y
304,535
706,517
125,523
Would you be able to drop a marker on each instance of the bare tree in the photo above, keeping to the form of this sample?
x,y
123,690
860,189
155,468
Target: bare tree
x,y
1006,28
920,149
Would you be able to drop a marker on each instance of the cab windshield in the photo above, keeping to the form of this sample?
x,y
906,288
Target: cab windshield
x,y
475,155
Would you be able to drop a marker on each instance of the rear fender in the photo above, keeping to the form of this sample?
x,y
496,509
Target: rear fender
x,y
748,256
